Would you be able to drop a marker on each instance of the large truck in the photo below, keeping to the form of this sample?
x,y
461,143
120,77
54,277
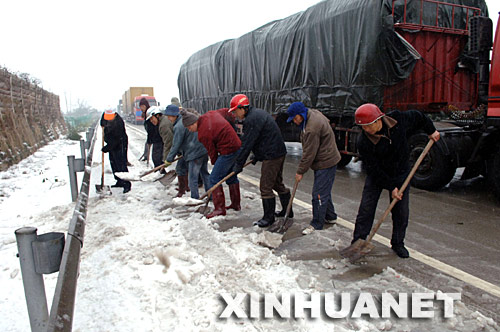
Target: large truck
x,y
428,55
130,103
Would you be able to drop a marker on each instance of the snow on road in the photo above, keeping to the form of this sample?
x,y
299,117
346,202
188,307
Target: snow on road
x,y
149,264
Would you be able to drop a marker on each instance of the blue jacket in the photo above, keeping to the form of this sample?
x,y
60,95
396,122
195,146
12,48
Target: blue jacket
x,y
185,143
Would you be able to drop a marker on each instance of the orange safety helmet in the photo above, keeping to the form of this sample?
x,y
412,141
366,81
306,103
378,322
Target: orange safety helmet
x,y
109,114
367,114
239,101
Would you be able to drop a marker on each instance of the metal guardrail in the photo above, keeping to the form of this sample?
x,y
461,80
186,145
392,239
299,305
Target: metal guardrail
x,y
48,253
63,303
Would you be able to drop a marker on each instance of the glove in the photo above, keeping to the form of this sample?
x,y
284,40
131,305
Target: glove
x,y
167,163
237,168
254,160
105,148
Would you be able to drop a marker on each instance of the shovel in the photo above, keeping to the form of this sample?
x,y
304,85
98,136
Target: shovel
x,y
170,176
101,188
127,176
362,247
284,224
209,192
167,178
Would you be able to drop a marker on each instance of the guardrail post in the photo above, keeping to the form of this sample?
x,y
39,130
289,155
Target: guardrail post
x,y
73,181
74,166
89,135
82,149
34,288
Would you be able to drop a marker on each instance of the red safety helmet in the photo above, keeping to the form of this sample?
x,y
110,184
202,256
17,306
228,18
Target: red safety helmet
x,y
238,101
367,114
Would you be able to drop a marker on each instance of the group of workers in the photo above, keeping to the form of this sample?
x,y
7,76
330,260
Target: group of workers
x,y
191,139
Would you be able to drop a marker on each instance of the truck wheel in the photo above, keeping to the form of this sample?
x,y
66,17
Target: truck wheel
x,y
435,171
493,175
344,160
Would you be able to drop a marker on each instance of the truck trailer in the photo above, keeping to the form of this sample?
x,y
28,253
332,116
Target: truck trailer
x,y
130,103
427,55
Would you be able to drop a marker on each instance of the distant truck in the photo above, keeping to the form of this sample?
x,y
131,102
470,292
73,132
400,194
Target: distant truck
x,y
427,55
130,103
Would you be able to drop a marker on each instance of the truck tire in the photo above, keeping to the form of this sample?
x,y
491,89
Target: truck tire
x,y
436,170
493,173
344,160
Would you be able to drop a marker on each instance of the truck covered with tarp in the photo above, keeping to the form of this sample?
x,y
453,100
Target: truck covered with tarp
x,y
334,56
428,55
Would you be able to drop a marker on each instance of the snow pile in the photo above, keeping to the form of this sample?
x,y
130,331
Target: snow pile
x,y
150,265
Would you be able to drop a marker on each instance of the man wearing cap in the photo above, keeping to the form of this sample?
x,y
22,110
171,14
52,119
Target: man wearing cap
x,y
320,153
262,136
383,147
154,139
175,101
165,128
116,140
193,152
144,106
222,143
167,133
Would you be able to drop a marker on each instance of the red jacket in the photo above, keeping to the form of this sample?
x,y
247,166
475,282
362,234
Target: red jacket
x,y
217,135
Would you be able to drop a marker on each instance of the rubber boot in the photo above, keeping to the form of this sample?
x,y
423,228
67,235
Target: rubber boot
x,y
186,187
118,184
284,200
234,193
269,204
127,185
183,181
219,203
401,251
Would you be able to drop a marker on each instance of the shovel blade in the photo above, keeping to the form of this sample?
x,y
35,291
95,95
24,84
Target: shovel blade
x,y
204,210
102,189
357,250
281,226
168,178
276,226
287,223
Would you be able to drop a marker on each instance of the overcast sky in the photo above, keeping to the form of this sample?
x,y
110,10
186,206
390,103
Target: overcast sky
x,y
94,50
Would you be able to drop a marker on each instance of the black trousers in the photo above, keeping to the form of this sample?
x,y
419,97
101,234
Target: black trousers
x,y
368,206
118,161
157,154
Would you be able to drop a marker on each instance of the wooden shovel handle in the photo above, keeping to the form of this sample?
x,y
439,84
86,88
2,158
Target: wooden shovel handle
x,y
157,168
209,192
403,187
102,159
284,225
289,207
